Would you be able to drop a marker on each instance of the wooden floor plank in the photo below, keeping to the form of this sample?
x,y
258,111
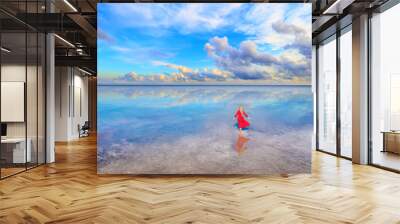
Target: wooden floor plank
x,y
70,191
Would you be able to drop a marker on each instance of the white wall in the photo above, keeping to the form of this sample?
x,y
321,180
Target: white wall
x,y
62,82
71,94
14,72
80,110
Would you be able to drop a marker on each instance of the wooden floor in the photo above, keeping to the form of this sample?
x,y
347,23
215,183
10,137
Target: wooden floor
x,y
70,191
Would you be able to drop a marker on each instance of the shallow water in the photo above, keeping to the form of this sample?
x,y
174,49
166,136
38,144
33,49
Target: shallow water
x,y
190,129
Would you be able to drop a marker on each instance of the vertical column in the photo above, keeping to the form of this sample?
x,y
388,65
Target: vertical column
x,y
50,92
360,90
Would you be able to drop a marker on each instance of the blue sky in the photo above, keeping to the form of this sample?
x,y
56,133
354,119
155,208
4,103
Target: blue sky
x,y
192,42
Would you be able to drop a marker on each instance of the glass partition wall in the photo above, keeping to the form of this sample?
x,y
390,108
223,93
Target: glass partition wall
x,y
22,78
334,80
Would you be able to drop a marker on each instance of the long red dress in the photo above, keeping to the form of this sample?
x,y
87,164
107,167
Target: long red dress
x,y
241,120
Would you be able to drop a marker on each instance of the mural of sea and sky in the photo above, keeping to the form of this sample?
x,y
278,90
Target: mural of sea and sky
x,y
197,88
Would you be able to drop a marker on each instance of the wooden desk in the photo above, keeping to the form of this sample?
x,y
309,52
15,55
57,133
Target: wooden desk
x,y
19,155
391,141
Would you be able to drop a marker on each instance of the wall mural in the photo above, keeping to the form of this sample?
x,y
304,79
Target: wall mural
x,y
197,88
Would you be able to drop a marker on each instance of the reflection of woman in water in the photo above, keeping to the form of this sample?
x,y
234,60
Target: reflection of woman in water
x,y
241,116
241,144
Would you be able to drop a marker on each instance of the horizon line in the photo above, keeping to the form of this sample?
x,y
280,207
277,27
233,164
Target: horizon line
x,y
131,84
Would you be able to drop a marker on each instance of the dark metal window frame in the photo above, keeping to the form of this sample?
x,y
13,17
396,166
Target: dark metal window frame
x,y
338,34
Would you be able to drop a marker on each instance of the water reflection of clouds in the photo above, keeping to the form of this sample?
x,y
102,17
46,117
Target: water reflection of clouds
x,y
181,96
143,111
155,125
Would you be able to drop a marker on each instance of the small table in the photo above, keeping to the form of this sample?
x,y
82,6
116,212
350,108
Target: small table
x,y
19,155
391,141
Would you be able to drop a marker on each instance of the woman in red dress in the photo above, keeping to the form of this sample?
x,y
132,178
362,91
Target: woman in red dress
x,y
241,116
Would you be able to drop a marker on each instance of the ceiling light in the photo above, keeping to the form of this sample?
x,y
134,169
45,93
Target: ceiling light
x,y
337,7
5,50
86,72
70,5
64,40
79,51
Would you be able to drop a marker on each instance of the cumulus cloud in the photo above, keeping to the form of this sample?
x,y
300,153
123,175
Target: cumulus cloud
x,y
248,63
182,74
243,63
300,37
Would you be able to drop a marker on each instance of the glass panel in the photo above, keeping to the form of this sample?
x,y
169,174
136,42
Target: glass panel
x,y
41,99
346,93
32,88
13,87
31,99
327,96
386,89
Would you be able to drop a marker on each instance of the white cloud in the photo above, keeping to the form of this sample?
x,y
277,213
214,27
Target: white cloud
x,y
180,68
185,18
278,25
248,63
293,56
182,74
120,49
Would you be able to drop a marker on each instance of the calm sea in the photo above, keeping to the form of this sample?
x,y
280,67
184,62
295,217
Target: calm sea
x,y
146,124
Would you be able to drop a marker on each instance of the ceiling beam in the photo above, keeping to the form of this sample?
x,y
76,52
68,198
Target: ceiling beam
x,y
78,61
86,26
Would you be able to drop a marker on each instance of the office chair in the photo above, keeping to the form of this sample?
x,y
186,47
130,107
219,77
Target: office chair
x,y
84,130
